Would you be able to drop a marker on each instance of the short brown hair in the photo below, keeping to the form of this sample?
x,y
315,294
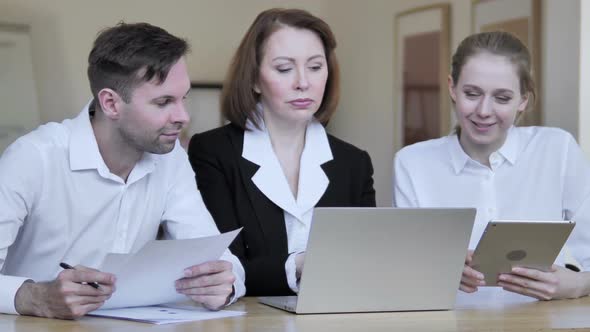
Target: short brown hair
x,y
503,44
126,55
238,99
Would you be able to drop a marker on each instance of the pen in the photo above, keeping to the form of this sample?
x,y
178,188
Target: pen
x,y
69,267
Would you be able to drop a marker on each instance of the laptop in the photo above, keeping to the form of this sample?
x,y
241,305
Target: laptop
x,y
381,259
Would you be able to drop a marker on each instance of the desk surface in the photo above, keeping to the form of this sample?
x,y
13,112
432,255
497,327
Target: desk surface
x,y
494,313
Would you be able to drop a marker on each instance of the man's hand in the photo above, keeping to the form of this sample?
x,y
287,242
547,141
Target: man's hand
x,y
66,297
559,283
471,278
210,284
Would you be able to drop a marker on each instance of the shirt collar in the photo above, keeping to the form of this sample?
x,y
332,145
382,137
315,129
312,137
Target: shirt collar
x,y
270,178
458,157
84,152
508,151
511,146
257,147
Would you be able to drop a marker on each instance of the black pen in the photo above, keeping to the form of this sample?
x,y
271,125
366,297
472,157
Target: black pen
x,y
69,267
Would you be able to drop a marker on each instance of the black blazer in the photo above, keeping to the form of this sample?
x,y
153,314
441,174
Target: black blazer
x,y
225,181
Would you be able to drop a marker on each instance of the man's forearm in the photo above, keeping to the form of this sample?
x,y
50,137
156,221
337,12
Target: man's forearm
x,y
23,301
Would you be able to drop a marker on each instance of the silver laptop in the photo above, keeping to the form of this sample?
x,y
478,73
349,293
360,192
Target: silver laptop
x,y
381,259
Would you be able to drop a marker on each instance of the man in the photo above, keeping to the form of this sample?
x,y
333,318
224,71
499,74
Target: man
x,y
104,182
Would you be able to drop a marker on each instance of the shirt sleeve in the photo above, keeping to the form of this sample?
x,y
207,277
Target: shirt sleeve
x,y
576,201
404,194
186,216
291,272
20,178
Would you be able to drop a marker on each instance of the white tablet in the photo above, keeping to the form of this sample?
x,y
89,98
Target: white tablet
x,y
510,243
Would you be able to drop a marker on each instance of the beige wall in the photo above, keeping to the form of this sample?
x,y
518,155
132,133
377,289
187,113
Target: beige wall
x,y
365,34
561,64
62,32
584,89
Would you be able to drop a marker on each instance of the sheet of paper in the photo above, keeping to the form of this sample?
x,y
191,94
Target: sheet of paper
x,y
490,297
164,314
147,277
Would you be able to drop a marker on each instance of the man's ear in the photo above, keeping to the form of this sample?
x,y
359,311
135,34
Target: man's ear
x,y
452,89
111,103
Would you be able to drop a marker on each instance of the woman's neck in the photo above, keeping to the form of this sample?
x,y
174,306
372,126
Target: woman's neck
x,y
285,136
287,140
480,152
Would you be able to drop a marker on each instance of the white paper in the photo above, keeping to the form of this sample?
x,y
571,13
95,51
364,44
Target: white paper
x,y
147,277
491,297
164,314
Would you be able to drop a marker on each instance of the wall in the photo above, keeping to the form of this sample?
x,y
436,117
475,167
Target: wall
x,y
561,64
584,90
17,85
63,31
365,36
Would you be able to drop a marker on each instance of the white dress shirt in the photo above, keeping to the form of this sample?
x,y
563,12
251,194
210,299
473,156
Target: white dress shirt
x,y
538,174
272,182
60,203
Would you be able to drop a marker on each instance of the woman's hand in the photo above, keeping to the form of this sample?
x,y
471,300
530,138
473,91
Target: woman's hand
x,y
558,283
471,278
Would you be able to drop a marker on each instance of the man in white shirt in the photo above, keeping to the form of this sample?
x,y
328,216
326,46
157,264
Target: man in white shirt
x,y
103,182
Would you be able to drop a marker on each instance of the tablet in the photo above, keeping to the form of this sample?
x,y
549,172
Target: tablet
x,y
510,243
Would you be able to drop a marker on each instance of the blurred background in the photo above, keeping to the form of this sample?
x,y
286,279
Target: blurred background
x,y
394,57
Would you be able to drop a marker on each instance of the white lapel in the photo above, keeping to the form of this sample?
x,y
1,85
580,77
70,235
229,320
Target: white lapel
x,y
270,178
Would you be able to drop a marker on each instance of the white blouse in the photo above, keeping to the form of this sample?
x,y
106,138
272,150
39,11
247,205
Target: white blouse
x,y
539,173
272,182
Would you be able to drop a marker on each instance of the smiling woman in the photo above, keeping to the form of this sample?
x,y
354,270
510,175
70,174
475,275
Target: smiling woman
x,y
506,172
491,85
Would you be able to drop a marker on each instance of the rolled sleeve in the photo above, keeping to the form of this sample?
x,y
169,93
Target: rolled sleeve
x,y
239,273
20,179
186,216
9,285
291,272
